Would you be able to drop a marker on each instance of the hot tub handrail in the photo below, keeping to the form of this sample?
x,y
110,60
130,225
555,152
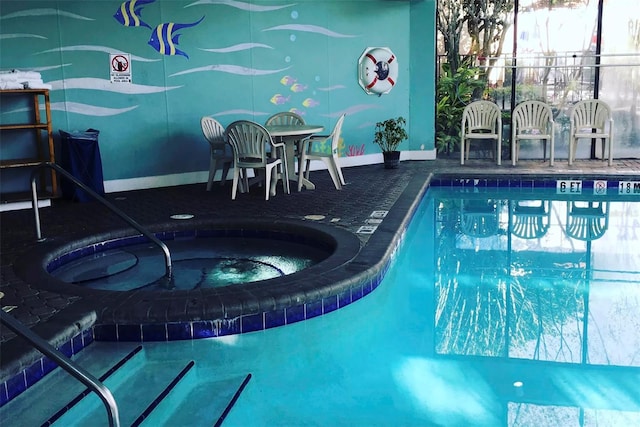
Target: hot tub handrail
x,y
65,363
105,202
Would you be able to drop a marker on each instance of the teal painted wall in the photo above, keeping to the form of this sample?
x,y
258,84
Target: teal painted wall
x,y
244,60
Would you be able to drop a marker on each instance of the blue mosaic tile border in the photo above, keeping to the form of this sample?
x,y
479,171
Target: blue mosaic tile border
x,y
240,325
34,373
517,182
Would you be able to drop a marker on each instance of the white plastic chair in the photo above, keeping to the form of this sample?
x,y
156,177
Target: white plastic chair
x,y
221,155
249,141
285,118
587,220
308,152
532,120
530,219
479,218
481,120
591,119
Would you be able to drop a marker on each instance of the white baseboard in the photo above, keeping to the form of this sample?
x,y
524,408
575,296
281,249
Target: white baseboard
x,y
14,206
116,185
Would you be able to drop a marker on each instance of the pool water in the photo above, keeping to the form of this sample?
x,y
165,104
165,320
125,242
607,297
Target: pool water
x,y
472,326
501,308
203,262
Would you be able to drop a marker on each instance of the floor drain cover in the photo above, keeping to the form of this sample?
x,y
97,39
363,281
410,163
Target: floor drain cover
x,y
314,217
181,216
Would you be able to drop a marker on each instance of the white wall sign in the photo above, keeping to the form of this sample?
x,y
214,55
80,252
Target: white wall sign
x,y
629,187
599,188
569,187
120,67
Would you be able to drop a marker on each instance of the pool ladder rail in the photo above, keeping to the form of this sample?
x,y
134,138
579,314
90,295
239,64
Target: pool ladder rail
x,y
73,405
168,276
65,363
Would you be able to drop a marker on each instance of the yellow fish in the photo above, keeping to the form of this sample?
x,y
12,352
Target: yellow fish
x,y
310,102
287,80
278,99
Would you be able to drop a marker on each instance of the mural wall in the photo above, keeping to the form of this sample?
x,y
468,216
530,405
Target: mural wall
x,y
143,72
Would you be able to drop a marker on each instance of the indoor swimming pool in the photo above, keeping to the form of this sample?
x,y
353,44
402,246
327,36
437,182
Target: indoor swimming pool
x,y
502,307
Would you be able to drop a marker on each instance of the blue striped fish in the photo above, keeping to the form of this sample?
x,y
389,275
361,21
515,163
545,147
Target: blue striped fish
x,y
164,40
129,13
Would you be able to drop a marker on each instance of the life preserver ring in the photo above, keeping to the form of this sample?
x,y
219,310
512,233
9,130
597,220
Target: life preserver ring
x,y
377,70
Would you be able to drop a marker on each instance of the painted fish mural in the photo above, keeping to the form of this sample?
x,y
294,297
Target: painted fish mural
x,y
287,80
297,87
129,13
278,99
310,103
297,111
164,38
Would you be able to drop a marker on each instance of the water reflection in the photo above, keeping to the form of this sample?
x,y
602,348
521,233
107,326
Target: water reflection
x,y
545,278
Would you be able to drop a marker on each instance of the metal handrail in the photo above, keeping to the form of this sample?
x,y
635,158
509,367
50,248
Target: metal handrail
x,y
105,202
65,363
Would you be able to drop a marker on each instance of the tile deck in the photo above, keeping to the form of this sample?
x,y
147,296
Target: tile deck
x,y
58,315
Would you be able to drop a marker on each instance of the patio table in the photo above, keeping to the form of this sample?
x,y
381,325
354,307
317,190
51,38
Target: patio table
x,y
291,135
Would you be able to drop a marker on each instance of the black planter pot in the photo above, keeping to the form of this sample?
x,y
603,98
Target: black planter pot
x,y
391,159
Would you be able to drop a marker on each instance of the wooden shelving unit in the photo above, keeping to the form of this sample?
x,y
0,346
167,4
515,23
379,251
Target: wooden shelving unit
x,y
41,144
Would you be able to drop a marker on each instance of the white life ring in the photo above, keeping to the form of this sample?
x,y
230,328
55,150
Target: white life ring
x,y
377,70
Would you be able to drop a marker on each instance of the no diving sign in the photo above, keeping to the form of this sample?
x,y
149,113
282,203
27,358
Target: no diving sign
x,y
120,67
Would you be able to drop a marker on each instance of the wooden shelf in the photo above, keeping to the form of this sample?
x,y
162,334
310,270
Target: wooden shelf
x,y
43,126
43,141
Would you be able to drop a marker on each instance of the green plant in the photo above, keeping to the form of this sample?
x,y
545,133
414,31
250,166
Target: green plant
x,y
390,133
454,91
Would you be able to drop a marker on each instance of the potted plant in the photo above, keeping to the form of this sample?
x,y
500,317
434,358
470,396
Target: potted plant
x,y
388,135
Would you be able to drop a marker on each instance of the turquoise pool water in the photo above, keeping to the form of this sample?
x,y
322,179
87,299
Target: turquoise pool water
x,y
501,308
472,326
198,263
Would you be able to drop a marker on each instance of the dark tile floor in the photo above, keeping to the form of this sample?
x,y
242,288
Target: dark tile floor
x,y
368,188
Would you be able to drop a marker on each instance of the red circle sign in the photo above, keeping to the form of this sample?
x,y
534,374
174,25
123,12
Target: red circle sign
x,y
119,64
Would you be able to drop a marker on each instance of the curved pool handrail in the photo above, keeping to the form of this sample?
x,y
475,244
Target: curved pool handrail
x,y
76,371
105,202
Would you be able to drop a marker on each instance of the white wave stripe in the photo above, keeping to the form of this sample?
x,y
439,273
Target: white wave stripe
x,y
237,47
309,29
47,67
21,36
231,69
78,108
94,48
44,12
330,88
238,111
89,110
106,85
353,110
240,5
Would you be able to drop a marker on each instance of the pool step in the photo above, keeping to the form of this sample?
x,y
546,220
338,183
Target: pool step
x,y
149,391
56,390
136,388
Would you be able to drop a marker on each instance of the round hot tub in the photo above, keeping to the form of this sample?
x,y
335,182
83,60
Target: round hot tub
x,y
229,276
201,259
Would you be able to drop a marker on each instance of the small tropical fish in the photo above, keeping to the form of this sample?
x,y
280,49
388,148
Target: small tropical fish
x,y
296,111
278,99
297,87
287,80
164,40
129,13
309,103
